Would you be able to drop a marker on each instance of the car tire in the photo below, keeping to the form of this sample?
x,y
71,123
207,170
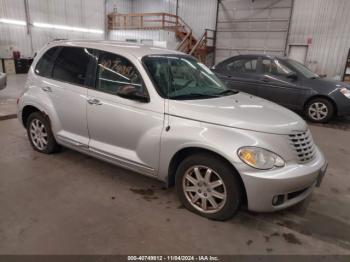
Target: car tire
x,y
222,186
319,110
40,134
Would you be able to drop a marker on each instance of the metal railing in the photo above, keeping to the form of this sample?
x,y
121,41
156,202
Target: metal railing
x,y
145,21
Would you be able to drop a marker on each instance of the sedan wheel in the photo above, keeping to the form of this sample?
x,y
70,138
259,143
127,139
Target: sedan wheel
x,y
319,110
204,189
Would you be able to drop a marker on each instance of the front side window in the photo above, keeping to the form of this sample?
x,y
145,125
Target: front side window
x,y
182,77
71,65
302,69
245,65
45,63
274,67
115,72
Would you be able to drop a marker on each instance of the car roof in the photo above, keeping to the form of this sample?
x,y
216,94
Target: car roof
x,y
121,47
253,55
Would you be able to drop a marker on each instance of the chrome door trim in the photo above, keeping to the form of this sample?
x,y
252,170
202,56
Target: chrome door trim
x,y
129,164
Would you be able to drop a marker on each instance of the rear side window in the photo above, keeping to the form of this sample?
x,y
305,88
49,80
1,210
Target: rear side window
x,y
246,65
45,63
71,65
274,67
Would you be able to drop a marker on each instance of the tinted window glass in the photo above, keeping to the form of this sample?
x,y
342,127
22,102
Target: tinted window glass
x,y
302,69
274,67
246,65
71,65
115,72
45,63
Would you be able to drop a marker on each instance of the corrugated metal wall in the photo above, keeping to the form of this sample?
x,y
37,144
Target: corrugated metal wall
x,y
120,6
13,36
77,13
146,6
327,24
246,26
198,14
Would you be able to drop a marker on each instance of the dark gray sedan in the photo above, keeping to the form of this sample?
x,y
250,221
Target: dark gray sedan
x,y
286,82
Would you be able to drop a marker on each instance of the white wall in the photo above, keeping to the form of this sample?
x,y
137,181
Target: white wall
x,y
259,26
13,36
78,13
120,6
327,24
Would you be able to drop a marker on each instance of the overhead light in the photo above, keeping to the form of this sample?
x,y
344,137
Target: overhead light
x,y
70,28
12,21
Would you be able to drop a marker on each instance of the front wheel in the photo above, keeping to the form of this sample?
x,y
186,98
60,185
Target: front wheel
x,y
208,186
319,110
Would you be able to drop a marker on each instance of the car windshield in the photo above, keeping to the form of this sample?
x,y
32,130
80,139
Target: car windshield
x,y
302,69
181,77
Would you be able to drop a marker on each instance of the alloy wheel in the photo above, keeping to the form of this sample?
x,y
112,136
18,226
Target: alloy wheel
x,y
204,189
38,134
318,111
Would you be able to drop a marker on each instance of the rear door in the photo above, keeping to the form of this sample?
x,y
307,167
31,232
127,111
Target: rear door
x,y
277,85
67,88
240,73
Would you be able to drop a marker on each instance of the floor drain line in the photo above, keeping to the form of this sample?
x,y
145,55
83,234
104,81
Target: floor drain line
x,y
7,117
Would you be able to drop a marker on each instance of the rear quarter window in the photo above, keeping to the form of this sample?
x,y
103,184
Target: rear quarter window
x,y
71,65
45,63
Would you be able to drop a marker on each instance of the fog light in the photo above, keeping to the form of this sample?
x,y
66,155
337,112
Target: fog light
x,y
277,200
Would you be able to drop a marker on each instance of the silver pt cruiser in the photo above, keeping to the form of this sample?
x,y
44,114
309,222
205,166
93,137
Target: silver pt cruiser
x,y
165,115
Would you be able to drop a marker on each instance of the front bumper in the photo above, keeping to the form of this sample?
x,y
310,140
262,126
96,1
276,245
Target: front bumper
x,y
291,184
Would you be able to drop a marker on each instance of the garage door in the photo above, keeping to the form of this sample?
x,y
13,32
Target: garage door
x,y
252,26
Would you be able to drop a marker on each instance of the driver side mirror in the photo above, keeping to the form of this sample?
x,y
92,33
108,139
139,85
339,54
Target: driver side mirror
x,y
292,76
133,93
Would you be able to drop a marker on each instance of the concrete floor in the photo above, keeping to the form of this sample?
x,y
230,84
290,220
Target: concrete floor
x,y
69,203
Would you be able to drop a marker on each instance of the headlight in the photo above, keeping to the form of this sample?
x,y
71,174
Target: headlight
x,y
260,158
345,92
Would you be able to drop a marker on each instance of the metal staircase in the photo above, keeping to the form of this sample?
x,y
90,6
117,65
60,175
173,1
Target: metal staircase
x,y
199,48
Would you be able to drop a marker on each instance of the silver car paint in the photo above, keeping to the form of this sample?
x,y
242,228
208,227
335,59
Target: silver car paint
x,y
132,134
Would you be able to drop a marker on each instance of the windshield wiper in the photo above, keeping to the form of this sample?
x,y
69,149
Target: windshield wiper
x,y
192,96
228,92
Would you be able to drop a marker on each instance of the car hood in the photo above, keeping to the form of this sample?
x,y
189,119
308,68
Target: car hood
x,y
240,111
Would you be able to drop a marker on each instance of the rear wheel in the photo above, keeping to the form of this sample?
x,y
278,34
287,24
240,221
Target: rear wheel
x,y
319,110
40,134
208,186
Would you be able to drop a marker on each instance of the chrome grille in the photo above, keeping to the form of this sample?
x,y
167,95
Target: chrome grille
x,y
303,145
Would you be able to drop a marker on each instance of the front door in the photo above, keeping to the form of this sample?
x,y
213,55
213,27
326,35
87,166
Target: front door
x,y
279,84
123,131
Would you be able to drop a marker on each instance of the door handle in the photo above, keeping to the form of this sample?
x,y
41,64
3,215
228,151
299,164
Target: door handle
x,y
94,101
46,89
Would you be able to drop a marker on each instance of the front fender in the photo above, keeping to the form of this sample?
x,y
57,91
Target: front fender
x,y
185,133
